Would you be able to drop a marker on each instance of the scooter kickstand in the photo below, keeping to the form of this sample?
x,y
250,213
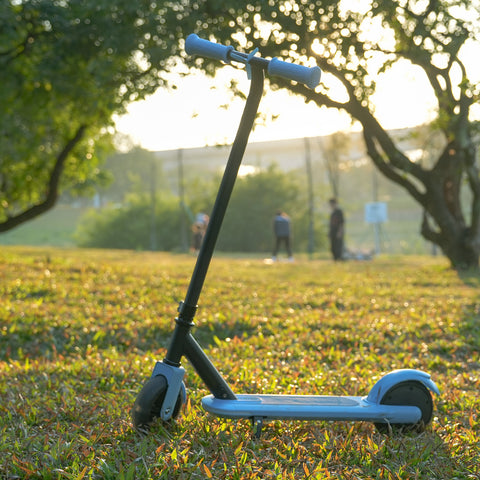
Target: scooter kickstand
x,y
257,427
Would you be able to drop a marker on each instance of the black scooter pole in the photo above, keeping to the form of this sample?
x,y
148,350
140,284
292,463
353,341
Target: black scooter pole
x,y
182,343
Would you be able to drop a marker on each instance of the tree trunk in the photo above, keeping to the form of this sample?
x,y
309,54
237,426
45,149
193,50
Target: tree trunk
x,y
449,192
459,241
438,190
456,244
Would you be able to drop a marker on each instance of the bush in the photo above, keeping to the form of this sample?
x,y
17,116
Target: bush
x,y
248,223
247,227
131,226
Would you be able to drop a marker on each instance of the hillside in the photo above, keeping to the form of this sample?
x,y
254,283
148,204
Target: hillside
x,y
140,171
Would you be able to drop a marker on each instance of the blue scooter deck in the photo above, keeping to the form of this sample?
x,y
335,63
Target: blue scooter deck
x,y
310,407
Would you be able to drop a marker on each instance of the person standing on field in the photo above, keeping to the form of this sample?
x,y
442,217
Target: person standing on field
x,y
336,230
282,231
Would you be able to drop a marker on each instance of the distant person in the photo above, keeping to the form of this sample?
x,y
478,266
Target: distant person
x,y
198,230
336,230
197,236
282,231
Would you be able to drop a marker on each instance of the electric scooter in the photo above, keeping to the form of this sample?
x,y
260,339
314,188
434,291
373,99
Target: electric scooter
x,y
400,400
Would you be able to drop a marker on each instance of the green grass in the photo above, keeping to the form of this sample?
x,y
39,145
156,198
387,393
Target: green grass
x,y
54,228
81,330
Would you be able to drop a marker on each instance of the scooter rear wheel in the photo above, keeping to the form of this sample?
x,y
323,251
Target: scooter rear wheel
x,y
149,402
409,393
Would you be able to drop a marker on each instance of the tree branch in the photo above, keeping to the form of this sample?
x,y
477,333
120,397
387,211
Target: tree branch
x,y
388,171
427,232
397,161
51,195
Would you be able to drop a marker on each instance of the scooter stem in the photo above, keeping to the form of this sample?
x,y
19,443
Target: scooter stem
x,y
187,309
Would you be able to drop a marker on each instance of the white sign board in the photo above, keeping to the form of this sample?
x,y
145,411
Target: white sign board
x,y
376,212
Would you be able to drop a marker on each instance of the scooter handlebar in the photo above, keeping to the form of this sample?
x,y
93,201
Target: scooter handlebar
x,y
194,45
310,76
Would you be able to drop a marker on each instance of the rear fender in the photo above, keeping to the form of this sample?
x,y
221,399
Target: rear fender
x,y
398,376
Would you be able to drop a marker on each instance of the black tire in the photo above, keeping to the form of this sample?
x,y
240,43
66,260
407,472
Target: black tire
x,y
408,393
148,403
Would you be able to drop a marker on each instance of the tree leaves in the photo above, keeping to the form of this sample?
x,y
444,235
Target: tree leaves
x,y
66,66
354,43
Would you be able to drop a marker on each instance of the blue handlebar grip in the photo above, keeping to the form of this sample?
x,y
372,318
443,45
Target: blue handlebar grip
x,y
194,45
310,76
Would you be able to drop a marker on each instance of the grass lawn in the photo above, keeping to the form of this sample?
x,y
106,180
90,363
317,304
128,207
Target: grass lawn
x,y
82,329
54,228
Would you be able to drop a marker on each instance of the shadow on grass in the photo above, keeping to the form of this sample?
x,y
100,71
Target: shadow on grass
x,y
470,277
31,337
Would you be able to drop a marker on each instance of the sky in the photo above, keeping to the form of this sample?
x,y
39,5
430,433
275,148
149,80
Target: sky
x,y
202,110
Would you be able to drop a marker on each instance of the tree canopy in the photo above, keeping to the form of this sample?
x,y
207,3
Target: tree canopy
x,y
65,68
354,43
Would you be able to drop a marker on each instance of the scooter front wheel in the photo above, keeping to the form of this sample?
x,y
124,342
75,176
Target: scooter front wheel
x,y
409,393
149,402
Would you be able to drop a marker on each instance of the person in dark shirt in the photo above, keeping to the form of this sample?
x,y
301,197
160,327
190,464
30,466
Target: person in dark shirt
x,y
336,230
282,231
